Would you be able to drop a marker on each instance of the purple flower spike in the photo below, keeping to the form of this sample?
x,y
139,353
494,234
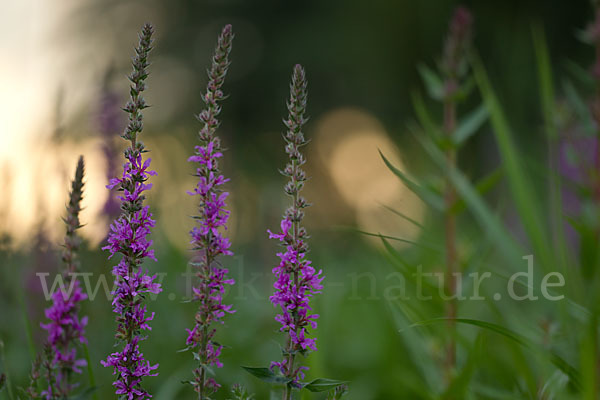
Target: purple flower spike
x,y
65,328
207,237
297,281
454,62
129,237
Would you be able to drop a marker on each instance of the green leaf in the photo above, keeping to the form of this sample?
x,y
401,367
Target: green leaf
x,y
520,186
398,239
484,216
545,80
90,371
433,83
323,384
265,374
470,124
482,187
479,323
427,123
556,359
549,108
404,216
425,194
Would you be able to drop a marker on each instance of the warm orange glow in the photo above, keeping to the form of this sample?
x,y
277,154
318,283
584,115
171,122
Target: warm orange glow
x,y
37,183
348,142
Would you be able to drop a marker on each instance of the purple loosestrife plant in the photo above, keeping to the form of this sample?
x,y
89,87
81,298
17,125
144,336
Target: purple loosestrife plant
x,y
129,237
240,393
207,237
454,67
296,279
65,328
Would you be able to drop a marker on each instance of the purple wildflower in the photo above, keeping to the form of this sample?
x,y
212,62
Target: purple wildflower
x,y
65,328
207,237
129,237
297,280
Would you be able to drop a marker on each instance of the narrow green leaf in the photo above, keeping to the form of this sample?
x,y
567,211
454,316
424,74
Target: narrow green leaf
x,y
404,216
427,123
412,242
482,187
484,216
520,186
406,269
428,196
548,104
470,124
90,371
556,359
323,384
265,374
479,323
544,68
433,82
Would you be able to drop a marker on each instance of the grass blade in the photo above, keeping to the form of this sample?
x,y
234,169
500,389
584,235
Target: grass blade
x,y
428,196
520,186
558,361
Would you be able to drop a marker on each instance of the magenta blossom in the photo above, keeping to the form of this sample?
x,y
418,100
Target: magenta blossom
x,y
207,237
129,237
296,280
65,328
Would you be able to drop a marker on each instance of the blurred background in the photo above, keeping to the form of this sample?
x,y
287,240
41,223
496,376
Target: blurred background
x,y
63,69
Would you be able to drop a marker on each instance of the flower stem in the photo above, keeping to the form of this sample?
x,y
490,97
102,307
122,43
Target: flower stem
x,y
204,344
296,241
450,239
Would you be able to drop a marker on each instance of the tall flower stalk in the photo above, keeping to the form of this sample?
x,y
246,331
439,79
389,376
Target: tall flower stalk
x,y
65,328
207,237
454,65
129,237
296,280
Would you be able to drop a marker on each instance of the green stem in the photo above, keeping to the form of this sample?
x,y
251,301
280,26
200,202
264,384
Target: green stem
x,y
204,344
450,239
295,229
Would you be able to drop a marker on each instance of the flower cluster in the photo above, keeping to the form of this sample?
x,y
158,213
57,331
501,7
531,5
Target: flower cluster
x,y
65,328
297,281
129,237
207,238
454,62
